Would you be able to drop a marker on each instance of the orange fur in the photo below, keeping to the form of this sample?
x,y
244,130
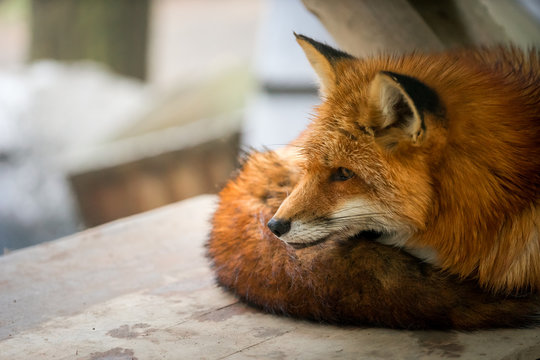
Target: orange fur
x,y
464,188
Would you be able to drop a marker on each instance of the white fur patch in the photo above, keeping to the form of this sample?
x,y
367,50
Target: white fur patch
x,y
353,217
305,233
347,220
425,253
361,214
394,233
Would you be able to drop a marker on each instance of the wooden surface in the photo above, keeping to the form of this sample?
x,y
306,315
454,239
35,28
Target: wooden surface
x,y
141,288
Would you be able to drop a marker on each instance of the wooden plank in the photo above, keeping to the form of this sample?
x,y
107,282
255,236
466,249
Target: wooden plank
x,y
371,26
460,22
64,277
519,20
141,288
110,193
208,324
330,342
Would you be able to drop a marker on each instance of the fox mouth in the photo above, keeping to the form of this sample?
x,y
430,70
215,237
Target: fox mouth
x,y
369,235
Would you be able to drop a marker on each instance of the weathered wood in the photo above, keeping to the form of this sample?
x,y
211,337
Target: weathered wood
x,y
371,26
520,23
460,22
141,288
109,193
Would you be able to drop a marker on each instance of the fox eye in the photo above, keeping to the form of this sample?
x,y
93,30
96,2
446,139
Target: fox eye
x,y
342,174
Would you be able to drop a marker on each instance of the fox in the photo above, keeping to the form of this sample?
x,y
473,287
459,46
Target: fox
x,y
345,280
437,154
410,201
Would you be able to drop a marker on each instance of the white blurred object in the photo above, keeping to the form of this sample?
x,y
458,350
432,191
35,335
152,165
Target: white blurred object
x,y
48,110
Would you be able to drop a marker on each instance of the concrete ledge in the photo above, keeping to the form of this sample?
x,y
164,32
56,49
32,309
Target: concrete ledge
x,y
141,288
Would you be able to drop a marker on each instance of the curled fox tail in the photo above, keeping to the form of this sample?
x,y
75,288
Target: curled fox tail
x,y
357,281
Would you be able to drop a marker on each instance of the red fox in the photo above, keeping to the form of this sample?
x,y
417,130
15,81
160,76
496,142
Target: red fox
x,y
434,154
437,153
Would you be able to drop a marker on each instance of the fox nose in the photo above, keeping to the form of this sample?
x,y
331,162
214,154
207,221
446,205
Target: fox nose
x,y
279,226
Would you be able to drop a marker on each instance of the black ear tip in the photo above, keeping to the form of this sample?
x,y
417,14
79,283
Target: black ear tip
x,y
327,51
300,36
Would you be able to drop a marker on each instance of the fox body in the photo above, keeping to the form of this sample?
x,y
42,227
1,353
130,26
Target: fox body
x,y
437,153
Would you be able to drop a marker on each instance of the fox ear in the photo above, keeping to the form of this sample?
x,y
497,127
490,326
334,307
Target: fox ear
x,y
323,59
397,106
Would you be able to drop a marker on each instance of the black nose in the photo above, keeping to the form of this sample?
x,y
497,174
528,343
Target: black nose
x,y
279,226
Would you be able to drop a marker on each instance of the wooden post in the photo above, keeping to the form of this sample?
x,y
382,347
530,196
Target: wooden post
x,y
371,26
365,27
111,32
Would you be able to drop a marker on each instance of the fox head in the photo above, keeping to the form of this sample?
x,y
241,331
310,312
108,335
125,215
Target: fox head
x,y
365,155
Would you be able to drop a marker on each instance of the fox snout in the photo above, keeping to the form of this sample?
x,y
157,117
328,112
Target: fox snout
x,y
279,226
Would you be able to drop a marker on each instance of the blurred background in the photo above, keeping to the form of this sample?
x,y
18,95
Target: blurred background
x,y
111,108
